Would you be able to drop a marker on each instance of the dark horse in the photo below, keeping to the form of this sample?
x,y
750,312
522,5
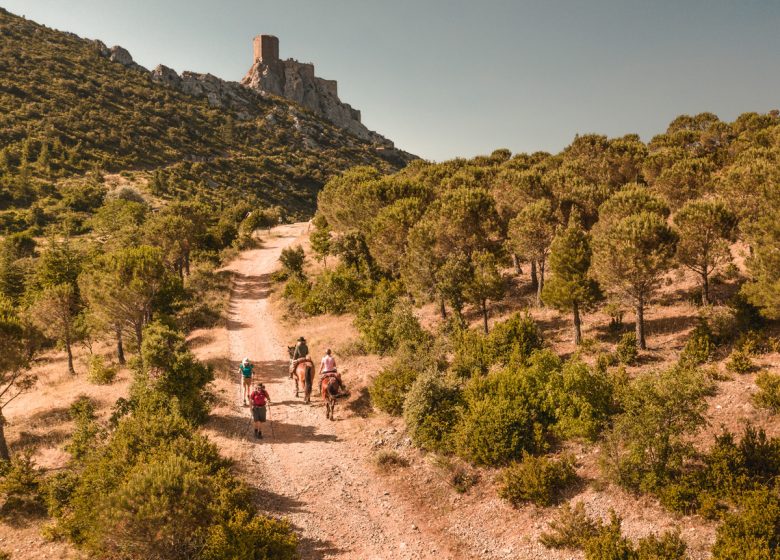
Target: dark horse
x,y
303,375
331,390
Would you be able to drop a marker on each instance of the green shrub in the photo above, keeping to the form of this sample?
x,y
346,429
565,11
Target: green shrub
x,y
682,496
388,460
385,322
21,487
5,555
584,400
536,479
172,369
248,535
572,528
753,531
471,354
296,292
431,411
99,372
609,543
626,350
648,443
390,388
85,434
753,343
739,362
699,347
496,428
669,546
293,260
334,291
512,342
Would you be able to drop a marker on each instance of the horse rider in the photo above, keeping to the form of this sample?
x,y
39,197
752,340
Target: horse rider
x,y
328,368
300,354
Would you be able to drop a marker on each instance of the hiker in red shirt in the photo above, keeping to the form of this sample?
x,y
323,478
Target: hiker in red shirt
x,y
259,398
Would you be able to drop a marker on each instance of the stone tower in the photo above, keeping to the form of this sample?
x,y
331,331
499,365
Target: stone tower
x,y
266,48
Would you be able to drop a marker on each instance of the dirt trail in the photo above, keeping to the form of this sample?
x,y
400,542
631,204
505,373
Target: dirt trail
x,y
305,468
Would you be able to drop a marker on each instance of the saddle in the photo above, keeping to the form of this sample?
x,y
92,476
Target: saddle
x,y
294,363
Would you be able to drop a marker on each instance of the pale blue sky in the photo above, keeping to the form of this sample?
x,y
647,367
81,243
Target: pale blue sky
x,y
460,78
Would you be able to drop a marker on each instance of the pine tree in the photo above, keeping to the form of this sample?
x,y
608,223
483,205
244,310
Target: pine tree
x,y
571,287
631,257
706,228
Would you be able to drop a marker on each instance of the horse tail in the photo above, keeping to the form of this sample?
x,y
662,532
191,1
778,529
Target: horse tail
x,y
333,387
308,377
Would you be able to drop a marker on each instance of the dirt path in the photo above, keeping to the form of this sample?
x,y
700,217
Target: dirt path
x,y
305,468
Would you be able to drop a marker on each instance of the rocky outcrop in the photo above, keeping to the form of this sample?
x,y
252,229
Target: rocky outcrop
x,y
297,82
268,76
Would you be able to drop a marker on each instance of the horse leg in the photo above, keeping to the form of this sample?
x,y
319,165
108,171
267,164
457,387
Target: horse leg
x,y
296,385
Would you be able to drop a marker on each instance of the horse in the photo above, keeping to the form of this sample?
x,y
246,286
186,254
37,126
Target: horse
x,y
303,376
330,389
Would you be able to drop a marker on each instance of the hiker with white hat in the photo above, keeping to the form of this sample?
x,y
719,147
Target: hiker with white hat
x,y
247,369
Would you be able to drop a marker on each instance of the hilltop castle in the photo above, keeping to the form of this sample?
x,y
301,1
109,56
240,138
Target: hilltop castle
x,y
296,81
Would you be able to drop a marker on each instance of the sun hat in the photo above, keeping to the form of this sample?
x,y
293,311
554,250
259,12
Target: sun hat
x,y
245,361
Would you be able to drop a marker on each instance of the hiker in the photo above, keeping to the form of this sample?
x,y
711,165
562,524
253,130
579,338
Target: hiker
x,y
259,398
328,368
247,369
300,353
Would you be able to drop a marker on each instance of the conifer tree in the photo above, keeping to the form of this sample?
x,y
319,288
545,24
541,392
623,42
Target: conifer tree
x,y
706,228
571,288
631,257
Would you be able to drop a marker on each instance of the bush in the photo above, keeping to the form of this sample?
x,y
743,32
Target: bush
x,y
571,528
669,546
247,535
84,438
389,460
584,400
536,479
171,369
739,362
609,543
99,372
390,388
513,342
649,440
21,487
753,343
471,354
699,347
626,349
293,260
768,395
156,489
385,322
334,291
431,411
499,423
753,531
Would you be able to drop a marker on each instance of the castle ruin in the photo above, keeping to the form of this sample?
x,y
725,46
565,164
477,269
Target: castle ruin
x,y
296,81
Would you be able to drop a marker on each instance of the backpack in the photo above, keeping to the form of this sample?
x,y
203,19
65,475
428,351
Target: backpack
x,y
258,398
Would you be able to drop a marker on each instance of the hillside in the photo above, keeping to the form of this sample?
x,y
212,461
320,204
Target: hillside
x,y
69,106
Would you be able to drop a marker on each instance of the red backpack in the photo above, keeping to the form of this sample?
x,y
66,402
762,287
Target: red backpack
x,y
258,398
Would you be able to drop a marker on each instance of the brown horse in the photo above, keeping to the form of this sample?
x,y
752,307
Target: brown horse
x,y
303,376
330,389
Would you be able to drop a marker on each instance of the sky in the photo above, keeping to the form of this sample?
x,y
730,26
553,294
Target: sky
x,y
446,79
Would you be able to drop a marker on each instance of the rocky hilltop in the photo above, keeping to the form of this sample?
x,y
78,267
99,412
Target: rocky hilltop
x,y
268,76
297,82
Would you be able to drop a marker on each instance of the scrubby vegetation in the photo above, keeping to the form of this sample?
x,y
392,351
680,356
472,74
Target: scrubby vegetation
x,y
607,224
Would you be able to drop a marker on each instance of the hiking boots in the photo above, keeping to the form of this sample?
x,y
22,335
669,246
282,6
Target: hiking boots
x,y
258,434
